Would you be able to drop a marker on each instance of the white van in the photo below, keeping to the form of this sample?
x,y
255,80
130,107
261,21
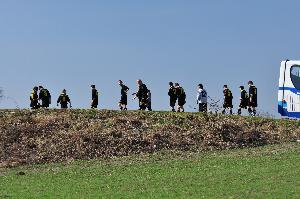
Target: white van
x,y
289,89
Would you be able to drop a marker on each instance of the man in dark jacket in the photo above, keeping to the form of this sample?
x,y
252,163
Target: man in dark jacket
x,y
142,95
34,98
243,100
172,95
227,99
44,97
64,99
181,96
123,100
252,98
95,95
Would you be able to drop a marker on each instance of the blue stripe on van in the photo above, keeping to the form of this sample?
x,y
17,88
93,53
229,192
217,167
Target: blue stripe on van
x,y
294,90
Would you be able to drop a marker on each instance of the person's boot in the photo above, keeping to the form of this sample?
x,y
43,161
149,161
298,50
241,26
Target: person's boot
x,y
254,112
223,112
230,111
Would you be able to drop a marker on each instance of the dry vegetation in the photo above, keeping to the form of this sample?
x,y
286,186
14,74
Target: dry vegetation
x,y
56,135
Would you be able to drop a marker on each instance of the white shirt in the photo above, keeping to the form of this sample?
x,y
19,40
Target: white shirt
x,y
202,96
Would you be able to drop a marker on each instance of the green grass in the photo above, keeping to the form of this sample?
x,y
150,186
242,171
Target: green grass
x,y
266,172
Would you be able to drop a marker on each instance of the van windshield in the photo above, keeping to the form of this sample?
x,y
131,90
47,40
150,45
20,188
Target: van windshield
x,y
295,76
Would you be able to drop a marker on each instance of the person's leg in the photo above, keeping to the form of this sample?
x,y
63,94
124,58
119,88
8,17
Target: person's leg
x,y
239,111
254,111
224,108
202,107
250,110
149,106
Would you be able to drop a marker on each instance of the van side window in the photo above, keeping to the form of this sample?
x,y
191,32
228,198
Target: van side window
x,y
295,76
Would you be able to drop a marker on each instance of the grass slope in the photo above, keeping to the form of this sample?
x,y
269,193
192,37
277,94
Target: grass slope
x,y
263,172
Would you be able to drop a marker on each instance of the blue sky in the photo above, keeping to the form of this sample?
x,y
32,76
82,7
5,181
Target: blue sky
x,y
72,44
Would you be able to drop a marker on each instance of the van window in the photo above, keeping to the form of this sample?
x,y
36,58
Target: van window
x,y
295,76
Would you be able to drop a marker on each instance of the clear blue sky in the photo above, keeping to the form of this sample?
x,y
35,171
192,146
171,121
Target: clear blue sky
x,y
72,44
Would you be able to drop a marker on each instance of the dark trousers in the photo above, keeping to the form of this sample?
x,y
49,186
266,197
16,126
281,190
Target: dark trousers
x,y
203,107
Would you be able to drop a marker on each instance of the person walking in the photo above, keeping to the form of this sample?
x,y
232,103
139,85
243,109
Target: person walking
x,y
252,99
95,96
34,98
202,98
44,97
123,100
181,96
243,100
227,99
172,95
142,95
63,100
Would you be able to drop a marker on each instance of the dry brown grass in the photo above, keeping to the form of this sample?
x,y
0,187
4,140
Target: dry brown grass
x,y
56,135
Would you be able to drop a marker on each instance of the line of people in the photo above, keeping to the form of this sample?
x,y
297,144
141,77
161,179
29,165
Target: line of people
x,y
247,100
41,97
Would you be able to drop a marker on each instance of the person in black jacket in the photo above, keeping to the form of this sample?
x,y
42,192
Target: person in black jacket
x,y
95,95
44,97
34,98
172,95
252,98
64,99
123,100
227,100
181,96
142,95
243,100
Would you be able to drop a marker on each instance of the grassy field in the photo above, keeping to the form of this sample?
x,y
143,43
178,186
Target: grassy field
x,y
263,172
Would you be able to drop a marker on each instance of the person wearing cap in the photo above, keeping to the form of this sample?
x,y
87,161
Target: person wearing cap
x,y
172,95
64,99
227,99
44,97
34,98
95,95
123,100
243,100
202,98
252,98
181,96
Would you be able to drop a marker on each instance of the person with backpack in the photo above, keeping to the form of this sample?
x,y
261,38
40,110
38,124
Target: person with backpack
x,y
227,100
44,97
243,100
202,98
34,98
64,99
181,96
